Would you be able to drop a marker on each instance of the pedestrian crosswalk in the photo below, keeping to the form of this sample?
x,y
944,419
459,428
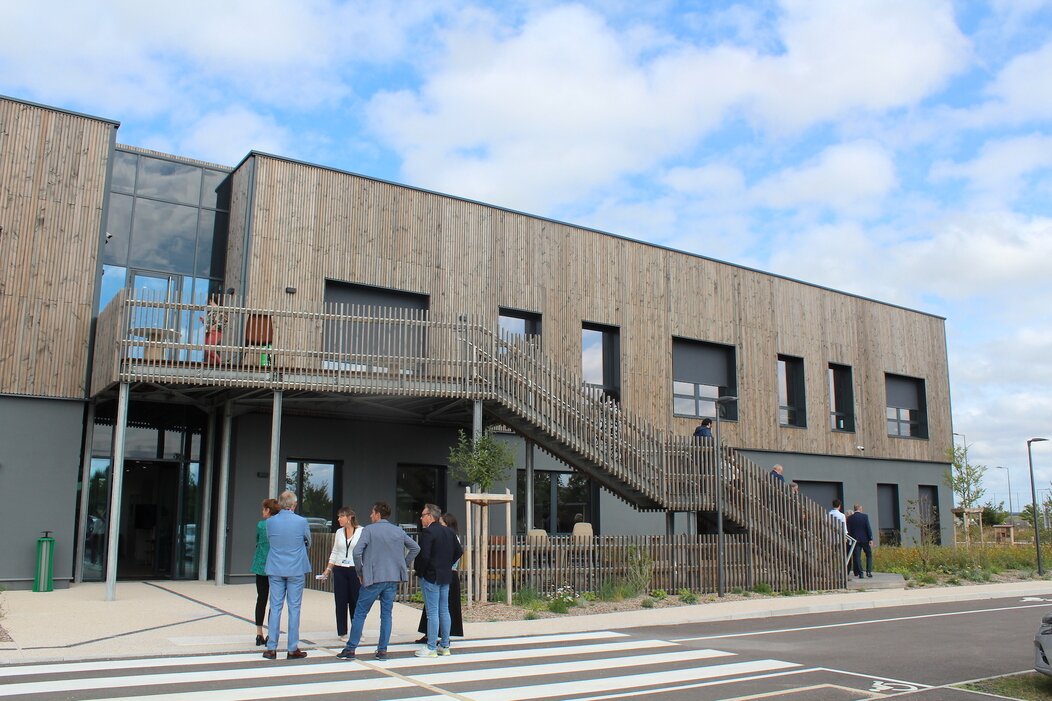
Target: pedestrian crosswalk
x,y
578,665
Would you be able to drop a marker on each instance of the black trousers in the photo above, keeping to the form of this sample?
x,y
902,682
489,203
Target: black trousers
x,y
856,558
262,596
345,586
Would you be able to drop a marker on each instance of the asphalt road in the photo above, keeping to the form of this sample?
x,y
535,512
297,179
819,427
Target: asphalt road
x,y
910,652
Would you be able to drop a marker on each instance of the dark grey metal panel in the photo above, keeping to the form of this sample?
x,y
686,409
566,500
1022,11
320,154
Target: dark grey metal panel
x,y
39,465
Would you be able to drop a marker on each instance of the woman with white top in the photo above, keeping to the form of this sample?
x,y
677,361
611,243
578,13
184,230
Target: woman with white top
x,y
345,582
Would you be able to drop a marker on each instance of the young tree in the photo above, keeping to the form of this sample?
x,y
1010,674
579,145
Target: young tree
x,y
480,462
994,514
964,478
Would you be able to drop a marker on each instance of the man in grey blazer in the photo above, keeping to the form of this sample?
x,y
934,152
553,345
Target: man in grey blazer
x,y
382,555
287,564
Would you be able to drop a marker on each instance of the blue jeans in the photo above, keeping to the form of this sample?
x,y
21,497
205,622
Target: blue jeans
x,y
282,588
367,595
436,603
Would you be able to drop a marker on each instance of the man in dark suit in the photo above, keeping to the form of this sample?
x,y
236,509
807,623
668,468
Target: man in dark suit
x,y
439,550
287,564
858,528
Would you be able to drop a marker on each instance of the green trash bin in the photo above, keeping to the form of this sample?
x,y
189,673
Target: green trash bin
x,y
44,579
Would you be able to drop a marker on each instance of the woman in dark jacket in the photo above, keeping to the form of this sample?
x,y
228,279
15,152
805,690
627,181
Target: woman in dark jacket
x,y
456,616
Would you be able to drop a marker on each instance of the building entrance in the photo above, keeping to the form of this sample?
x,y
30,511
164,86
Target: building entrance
x,y
158,520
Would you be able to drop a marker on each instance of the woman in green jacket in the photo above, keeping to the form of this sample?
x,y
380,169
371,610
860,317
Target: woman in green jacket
x,y
259,567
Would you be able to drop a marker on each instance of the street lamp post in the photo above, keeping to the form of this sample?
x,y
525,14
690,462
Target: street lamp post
x,y
721,558
1033,496
1009,474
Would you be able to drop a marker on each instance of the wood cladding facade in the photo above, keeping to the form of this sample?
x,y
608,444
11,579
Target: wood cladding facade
x,y
53,170
308,224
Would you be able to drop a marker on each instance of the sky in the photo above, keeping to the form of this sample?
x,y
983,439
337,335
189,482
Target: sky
x,y
895,149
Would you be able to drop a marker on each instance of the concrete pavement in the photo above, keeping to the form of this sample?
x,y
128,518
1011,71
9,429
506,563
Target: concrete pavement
x,y
189,617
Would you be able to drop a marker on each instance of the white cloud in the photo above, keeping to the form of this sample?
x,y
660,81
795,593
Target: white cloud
x,y
852,177
998,173
230,134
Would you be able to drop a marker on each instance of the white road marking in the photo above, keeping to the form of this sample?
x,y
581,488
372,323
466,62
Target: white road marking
x,y
853,623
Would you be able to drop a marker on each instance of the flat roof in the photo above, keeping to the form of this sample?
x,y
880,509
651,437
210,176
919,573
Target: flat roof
x,y
49,108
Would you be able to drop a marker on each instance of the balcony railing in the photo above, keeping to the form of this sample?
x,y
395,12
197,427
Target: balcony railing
x,y
382,350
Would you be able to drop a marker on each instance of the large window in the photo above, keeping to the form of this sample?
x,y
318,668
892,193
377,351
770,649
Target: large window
x,y
314,483
560,499
362,345
415,486
601,360
515,322
701,373
841,399
906,409
792,407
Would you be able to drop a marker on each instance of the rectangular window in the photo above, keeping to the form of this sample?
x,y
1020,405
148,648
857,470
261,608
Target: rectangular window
x,y
515,322
841,399
906,408
314,484
415,486
701,373
560,499
601,360
792,407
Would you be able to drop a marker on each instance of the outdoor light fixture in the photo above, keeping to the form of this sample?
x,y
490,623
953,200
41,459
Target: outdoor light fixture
x,y
721,558
1033,495
1009,473
290,290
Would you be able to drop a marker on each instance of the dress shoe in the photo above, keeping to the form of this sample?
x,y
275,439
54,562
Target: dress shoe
x,y
380,656
346,654
296,654
270,654
260,640
869,574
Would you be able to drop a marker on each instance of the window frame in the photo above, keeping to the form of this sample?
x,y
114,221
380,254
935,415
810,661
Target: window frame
x,y
840,382
792,392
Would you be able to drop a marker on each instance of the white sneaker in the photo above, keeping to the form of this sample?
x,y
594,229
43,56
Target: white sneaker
x,y
425,651
443,651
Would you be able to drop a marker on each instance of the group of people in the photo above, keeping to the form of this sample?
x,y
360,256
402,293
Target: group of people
x,y
366,564
858,527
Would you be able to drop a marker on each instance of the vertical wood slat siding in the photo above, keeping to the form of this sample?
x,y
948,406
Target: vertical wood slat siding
x,y
393,351
311,224
52,185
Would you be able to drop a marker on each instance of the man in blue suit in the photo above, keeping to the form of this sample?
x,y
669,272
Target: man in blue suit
x,y
287,564
858,528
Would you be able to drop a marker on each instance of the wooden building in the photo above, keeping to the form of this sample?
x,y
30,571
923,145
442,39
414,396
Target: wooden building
x,y
365,322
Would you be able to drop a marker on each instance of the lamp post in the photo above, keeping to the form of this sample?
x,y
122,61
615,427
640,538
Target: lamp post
x,y
1033,496
1009,474
720,552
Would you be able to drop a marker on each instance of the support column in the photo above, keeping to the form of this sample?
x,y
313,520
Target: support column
x,y
85,481
117,485
476,420
207,474
224,495
529,485
275,446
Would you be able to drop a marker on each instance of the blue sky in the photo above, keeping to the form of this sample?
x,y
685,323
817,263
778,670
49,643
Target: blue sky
x,y
900,150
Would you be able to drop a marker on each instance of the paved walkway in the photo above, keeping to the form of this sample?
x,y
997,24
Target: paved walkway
x,y
190,617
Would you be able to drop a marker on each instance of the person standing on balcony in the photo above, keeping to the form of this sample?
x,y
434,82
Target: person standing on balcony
x,y
704,430
214,320
776,473
345,584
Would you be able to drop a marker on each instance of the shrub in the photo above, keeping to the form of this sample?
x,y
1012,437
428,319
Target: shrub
x,y
589,596
640,569
417,597
562,599
687,596
762,588
525,596
530,616
559,606
615,590
647,603
659,594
